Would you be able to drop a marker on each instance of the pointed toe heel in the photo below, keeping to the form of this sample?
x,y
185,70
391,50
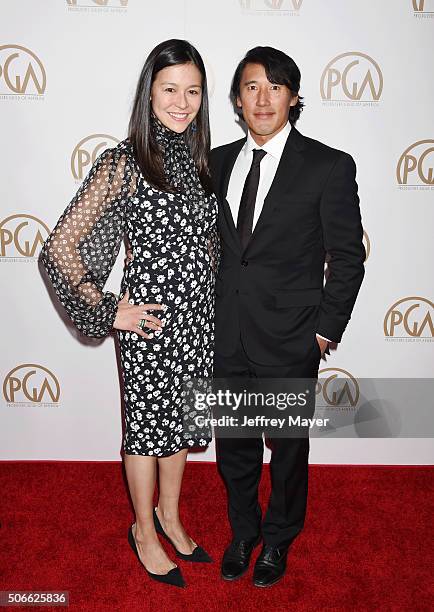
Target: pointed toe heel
x,y
173,577
199,555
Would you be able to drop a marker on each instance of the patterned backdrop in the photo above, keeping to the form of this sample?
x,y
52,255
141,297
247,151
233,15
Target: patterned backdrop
x,y
68,71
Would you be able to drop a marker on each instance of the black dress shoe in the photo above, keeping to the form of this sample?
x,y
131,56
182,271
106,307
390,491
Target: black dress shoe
x,y
270,566
199,555
236,558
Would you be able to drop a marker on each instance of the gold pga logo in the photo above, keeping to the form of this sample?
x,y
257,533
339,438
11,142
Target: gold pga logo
x,y
352,78
31,383
410,318
280,7
86,152
21,72
21,237
415,166
337,388
97,3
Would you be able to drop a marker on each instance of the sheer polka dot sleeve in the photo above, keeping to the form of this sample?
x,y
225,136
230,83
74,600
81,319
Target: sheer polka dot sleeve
x,y
80,252
214,248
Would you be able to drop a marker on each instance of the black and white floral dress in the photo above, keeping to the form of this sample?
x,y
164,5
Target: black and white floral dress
x,y
174,243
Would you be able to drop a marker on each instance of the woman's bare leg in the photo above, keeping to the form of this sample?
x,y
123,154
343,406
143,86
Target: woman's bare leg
x,y
141,476
171,470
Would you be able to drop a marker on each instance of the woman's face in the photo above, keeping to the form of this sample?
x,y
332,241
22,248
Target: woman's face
x,y
176,95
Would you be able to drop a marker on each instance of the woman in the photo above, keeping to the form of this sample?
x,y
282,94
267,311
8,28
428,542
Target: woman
x,y
154,187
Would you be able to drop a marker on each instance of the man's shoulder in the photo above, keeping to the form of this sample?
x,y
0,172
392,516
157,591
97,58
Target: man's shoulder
x,y
221,151
324,151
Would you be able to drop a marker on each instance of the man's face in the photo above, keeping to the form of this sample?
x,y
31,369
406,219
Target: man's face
x,y
265,105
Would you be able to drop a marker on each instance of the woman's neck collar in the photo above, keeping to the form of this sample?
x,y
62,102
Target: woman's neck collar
x,y
162,132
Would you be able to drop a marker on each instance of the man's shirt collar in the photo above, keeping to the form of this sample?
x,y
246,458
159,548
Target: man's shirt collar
x,y
273,147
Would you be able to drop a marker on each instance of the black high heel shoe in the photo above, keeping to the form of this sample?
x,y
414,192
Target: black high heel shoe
x,y
173,577
199,555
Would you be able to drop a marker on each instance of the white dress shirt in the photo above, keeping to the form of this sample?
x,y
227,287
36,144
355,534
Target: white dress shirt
x,y
274,148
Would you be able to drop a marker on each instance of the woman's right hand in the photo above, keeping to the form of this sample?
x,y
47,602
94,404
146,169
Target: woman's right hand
x,y
128,316
128,255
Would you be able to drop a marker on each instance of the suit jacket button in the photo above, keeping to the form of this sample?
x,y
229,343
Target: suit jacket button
x,y
237,291
244,262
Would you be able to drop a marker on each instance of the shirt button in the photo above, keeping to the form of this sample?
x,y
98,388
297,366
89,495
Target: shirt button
x,y
244,262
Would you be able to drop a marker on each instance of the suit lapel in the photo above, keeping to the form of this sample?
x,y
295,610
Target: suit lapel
x,y
287,171
225,175
289,167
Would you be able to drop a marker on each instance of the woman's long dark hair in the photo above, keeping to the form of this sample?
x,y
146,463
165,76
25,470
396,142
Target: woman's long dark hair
x,y
147,152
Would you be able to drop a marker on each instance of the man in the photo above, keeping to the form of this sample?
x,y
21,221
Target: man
x,y
285,201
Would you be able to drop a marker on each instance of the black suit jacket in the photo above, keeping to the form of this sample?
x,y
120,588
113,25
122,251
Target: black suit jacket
x,y
272,292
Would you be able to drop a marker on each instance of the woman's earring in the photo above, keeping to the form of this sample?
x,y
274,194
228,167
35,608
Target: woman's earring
x,y
193,126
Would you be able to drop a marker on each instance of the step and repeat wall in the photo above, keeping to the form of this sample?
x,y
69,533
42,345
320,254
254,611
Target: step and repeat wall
x,y
68,71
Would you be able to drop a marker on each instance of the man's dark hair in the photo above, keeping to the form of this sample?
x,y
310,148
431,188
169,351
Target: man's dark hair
x,y
279,68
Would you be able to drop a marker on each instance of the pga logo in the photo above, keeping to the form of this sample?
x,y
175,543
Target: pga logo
x,y
352,76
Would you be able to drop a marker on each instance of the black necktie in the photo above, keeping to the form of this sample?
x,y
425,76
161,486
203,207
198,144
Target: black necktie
x,y
248,199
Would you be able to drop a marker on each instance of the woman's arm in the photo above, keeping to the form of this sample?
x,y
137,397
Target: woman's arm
x,y
214,248
80,252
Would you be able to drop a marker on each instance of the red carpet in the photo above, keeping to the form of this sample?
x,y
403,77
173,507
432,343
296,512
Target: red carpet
x,y
367,544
